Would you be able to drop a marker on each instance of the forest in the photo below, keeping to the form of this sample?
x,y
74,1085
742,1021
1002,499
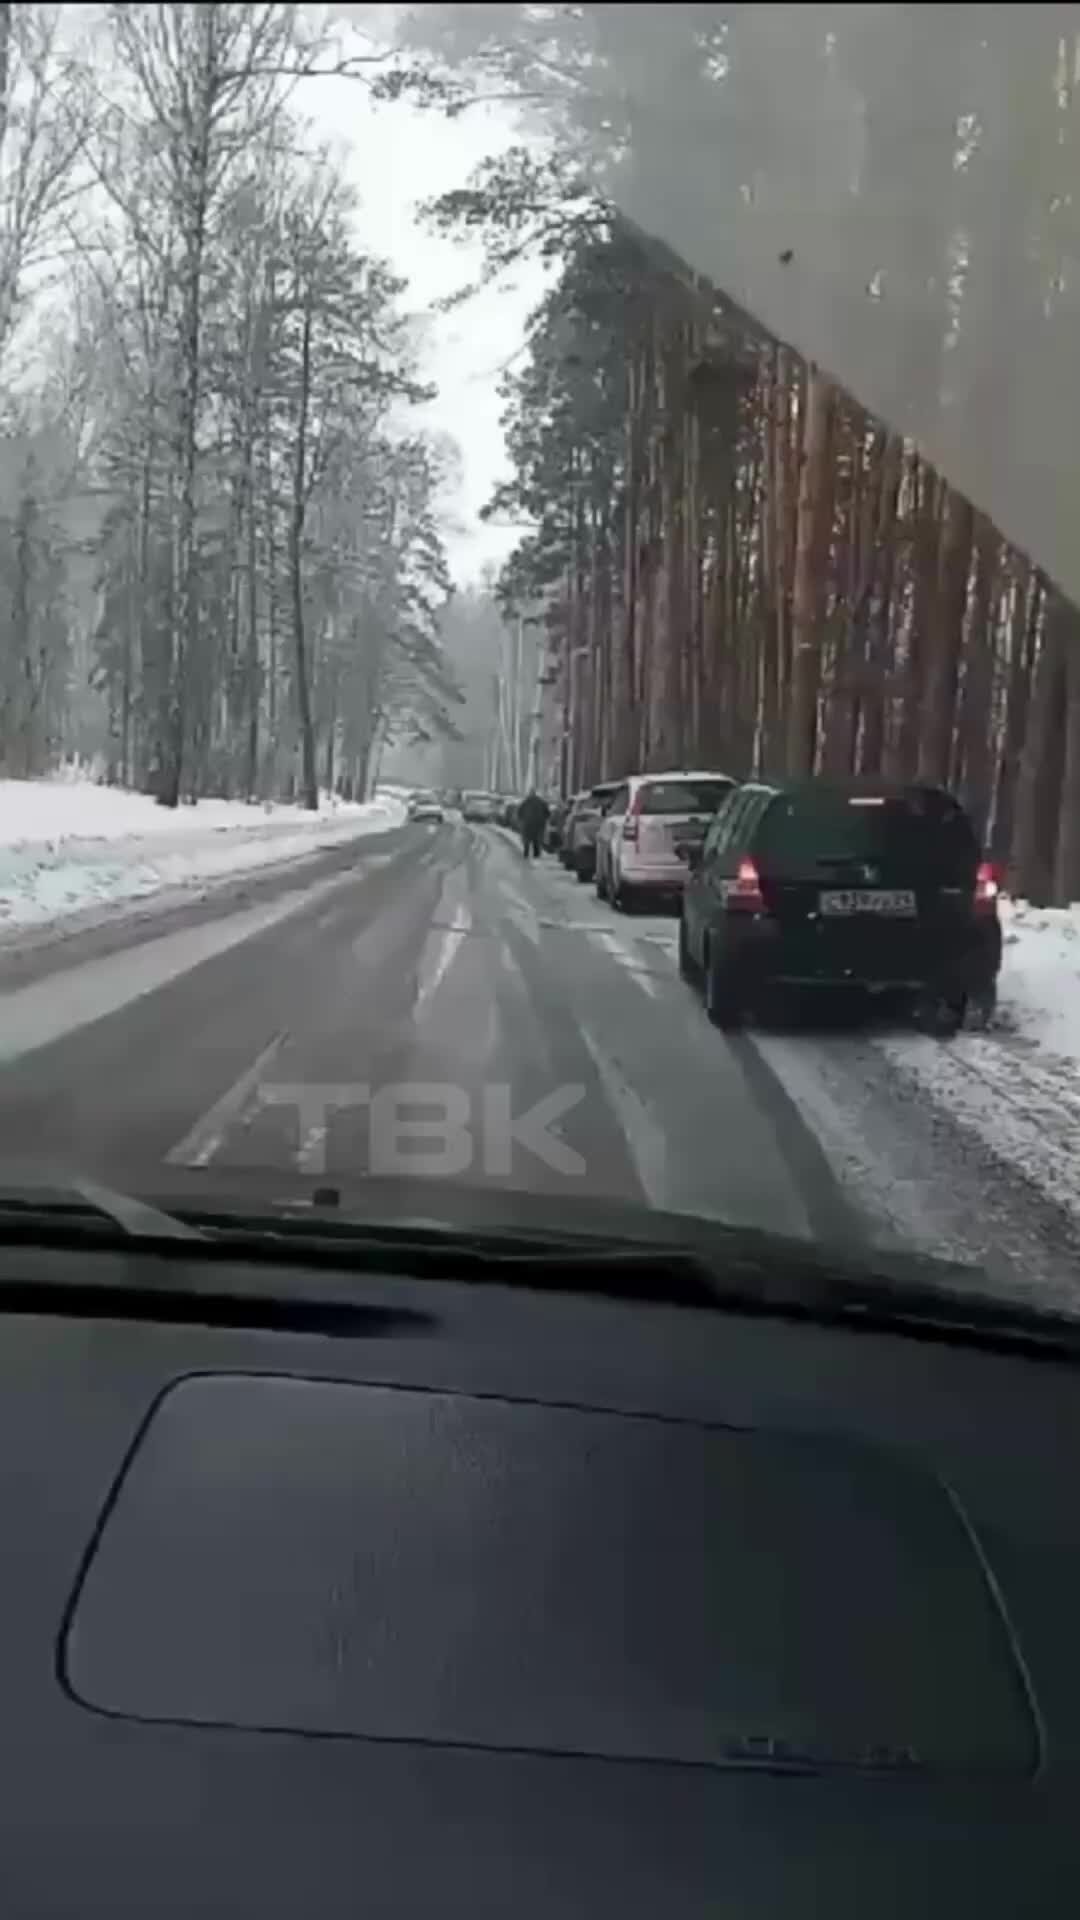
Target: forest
x,y
734,562
738,567
221,569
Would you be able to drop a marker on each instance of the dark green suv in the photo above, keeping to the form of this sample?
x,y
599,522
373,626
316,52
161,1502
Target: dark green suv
x,y
858,885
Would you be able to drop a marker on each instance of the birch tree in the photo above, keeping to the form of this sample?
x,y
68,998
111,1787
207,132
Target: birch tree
x,y
207,82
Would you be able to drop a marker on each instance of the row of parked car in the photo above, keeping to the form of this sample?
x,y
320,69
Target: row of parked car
x,y
860,885
433,806
501,808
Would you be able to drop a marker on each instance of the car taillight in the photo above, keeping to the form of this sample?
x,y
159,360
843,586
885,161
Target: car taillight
x,y
744,894
987,888
630,824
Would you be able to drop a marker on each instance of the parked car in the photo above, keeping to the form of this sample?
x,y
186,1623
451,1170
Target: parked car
x,y
575,801
582,826
426,806
508,808
556,822
480,806
649,818
866,886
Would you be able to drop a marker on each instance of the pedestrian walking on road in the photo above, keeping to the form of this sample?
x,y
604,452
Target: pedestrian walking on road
x,y
532,819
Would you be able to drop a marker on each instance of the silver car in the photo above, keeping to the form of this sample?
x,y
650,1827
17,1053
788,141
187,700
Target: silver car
x,y
426,806
480,806
652,818
582,828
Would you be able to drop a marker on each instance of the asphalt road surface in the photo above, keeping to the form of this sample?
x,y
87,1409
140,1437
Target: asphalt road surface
x,y
425,1002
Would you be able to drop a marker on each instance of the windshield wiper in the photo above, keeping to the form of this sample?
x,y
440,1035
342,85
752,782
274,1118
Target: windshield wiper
x,y
134,1216
136,1220
729,1270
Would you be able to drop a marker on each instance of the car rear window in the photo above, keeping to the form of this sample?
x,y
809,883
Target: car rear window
x,y
920,833
683,796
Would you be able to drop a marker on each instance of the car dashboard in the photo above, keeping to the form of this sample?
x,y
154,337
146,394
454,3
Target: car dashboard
x,y
367,1594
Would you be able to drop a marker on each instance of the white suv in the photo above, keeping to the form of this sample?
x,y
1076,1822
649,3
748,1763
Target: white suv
x,y
650,817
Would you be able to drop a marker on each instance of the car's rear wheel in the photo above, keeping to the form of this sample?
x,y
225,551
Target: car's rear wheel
x,y
981,1008
941,1014
622,898
723,1002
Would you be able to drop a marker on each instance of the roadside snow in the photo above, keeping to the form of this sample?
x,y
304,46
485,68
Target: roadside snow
x,y
1017,1087
36,811
1040,976
69,845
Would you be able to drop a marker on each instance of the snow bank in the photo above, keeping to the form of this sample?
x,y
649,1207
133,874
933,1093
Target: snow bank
x,y
68,845
1017,1087
1039,991
36,811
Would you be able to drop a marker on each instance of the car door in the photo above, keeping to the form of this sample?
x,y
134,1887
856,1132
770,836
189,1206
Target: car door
x,y
700,893
733,846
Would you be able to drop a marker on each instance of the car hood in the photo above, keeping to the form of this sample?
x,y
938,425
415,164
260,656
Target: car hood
x,y
457,1207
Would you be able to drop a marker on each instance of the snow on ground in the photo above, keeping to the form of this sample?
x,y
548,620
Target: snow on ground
x,y
1014,1091
37,811
1040,977
1018,1086
70,845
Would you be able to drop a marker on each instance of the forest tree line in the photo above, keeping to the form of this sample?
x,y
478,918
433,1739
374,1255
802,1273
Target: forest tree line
x,y
214,512
737,566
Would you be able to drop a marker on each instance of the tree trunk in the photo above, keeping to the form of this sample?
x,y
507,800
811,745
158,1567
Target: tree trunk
x,y
185,613
843,707
879,636
904,757
296,570
621,723
672,746
769,563
947,632
811,554
1038,789
328,770
975,772
253,690
793,446
151,750
1023,642
1067,864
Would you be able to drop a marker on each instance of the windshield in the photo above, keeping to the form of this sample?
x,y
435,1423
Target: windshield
x,y
682,796
920,835
514,403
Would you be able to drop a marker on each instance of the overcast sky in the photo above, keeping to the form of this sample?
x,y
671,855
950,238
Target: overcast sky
x,y
396,156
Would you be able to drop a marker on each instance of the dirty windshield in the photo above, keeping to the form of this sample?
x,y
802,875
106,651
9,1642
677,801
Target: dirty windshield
x,y
814,829
683,796
416,417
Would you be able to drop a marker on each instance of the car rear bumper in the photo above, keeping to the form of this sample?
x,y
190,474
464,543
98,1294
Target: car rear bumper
x,y
967,962
654,876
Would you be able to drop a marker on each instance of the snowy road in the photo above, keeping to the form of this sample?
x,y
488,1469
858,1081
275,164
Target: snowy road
x,y
298,1032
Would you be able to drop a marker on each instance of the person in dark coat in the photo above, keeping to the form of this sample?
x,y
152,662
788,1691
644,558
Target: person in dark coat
x,y
532,819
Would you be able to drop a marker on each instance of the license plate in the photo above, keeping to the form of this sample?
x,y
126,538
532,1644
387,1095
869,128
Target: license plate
x,y
899,902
